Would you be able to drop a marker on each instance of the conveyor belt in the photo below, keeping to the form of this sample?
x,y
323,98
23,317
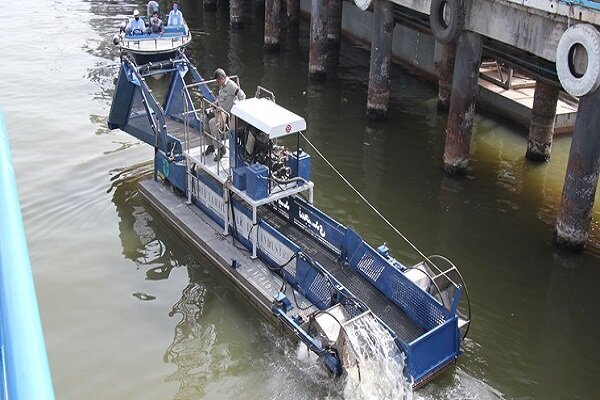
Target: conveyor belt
x,y
393,316
177,130
174,128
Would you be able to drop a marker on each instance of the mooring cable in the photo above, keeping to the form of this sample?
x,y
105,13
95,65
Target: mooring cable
x,y
364,198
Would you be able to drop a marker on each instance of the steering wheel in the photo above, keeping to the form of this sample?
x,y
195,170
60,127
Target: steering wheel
x,y
137,31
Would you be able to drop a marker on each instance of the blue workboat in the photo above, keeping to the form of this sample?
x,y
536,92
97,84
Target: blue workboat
x,y
252,214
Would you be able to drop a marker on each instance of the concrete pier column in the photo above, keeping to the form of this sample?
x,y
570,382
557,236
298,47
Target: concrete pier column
x,y
334,23
209,5
272,24
381,60
462,102
541,126
236,13
317,52
446,73
579,190
293,12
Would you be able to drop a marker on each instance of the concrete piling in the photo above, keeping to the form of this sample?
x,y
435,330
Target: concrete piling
x,y
236,13
462,102
446,73
272,24
579,190
209,5
293,12
334,23
381,60
541,126
317,54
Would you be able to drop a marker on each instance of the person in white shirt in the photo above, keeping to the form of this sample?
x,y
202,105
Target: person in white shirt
x,y
175,16
136,25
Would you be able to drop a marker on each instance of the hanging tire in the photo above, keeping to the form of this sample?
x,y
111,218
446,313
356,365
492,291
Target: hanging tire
x,y
363,4
447,19
574,83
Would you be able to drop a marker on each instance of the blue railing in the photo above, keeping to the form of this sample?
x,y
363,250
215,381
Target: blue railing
x,y
25,374
584,3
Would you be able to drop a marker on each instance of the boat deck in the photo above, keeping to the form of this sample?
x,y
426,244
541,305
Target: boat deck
x,y
177,130
406,329
258,282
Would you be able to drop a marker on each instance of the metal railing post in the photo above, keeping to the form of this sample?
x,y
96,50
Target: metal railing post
x,y
25,374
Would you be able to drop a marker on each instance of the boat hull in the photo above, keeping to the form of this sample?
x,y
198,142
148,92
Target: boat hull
x,y
156,47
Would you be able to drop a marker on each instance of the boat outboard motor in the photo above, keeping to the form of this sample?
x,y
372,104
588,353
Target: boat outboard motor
x,y
152,7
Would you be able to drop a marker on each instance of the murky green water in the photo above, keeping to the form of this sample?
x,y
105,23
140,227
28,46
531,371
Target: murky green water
x,y
131,312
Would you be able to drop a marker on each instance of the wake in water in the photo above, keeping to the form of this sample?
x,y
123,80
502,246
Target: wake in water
x,y
374,363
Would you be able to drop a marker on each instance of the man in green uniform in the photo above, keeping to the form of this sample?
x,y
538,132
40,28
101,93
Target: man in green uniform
x,y
229,93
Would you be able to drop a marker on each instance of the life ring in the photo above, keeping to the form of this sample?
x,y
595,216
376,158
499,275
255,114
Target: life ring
x,y
586,36
447,19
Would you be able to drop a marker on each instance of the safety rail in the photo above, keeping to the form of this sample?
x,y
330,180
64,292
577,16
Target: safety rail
x,y
593,4
206,103
136,43
25,374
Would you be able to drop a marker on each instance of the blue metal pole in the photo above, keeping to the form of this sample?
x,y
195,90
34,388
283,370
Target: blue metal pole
x,y
26,374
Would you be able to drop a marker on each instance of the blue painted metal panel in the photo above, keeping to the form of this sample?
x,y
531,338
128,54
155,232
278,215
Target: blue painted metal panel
x,y
26,370
434,349
416,303
174,102
174,172
314,222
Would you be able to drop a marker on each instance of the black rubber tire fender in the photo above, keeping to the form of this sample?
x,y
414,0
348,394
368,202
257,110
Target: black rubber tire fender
x,y
588,37
447,30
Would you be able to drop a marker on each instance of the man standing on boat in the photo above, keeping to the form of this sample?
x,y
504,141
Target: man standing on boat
x,y
136,25
175,16
229,92
156,24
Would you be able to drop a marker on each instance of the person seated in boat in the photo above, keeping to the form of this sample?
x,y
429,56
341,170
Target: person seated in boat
x,y
136,25
156,24
151,8
175,16
229,93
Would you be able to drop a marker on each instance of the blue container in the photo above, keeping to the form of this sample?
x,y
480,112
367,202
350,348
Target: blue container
x,y
239,177
256,181
300,165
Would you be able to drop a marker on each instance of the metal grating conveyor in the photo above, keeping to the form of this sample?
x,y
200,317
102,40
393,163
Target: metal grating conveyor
x,y
406,329
177,130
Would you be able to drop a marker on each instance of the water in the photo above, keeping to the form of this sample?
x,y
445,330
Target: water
x,y
132,312
379,363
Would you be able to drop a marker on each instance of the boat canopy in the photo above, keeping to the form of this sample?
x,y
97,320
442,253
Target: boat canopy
x,y
269,117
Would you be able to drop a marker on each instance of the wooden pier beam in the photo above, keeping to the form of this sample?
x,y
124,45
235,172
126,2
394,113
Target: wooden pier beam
x,y
317,53
293,12
272,24
209,5
381,60
579,190
236,13
465,89
541,126
334,23
446,73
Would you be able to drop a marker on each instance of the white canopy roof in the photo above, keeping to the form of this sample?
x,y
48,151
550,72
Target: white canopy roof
x,y
269,117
